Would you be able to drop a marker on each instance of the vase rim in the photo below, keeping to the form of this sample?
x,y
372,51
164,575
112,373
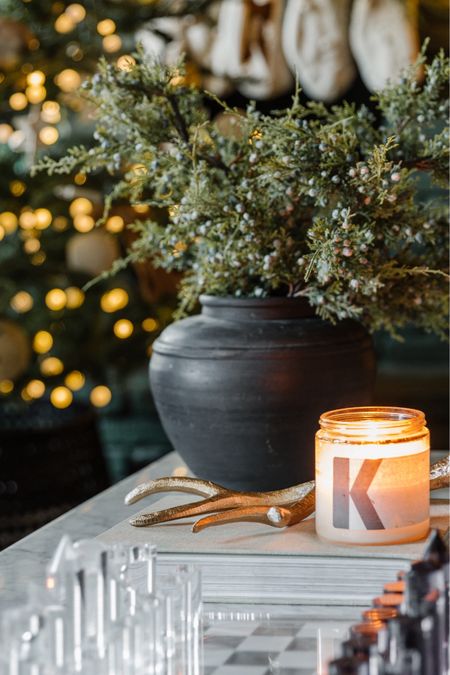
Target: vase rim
x,y
207,300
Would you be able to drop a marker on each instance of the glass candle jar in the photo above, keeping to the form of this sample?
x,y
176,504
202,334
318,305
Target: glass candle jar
x,y
372,475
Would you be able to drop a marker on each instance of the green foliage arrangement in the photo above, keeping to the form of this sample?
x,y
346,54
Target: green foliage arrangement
x,y
314,202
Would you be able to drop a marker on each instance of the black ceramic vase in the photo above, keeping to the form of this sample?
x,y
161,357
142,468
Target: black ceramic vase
x,y
240,387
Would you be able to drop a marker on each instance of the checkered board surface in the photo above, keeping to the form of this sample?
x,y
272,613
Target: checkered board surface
x,y
276,646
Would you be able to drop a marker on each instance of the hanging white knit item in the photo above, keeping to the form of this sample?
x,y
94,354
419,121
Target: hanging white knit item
x,y
315,44
247,47
384,39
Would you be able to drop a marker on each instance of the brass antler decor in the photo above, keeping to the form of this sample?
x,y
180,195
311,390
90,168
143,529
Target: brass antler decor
x,y
279,508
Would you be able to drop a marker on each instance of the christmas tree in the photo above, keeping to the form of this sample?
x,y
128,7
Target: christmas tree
x,y
56,341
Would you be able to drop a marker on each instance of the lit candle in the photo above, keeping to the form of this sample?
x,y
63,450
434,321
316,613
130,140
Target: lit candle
x,y
372,475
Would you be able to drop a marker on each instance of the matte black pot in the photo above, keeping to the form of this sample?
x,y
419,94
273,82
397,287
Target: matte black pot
x,y
240,387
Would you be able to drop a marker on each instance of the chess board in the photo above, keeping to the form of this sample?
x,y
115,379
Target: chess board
x,y
248,644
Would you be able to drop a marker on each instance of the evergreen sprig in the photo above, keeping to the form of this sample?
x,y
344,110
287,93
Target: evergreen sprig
x,y
310,201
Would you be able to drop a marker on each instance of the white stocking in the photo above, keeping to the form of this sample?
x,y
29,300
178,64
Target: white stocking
x,y
315,44
384,39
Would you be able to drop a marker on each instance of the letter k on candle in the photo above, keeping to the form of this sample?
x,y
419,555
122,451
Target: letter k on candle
x,y
372,484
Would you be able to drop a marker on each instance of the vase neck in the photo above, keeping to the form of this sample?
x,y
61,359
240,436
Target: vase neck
x,y
255,309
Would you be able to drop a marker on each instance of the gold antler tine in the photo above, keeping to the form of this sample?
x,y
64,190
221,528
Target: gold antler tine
x,y
215,503
277,516
205,488
440,474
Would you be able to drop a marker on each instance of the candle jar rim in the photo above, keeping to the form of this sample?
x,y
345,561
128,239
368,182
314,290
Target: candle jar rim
x,y
385,420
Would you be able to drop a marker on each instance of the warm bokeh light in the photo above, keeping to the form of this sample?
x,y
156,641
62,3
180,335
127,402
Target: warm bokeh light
x,y
113,300
115,224
79,179
35,388
56,299
6,386
83,223
64,23
5,132
50,112
35,94
43,218
32,245
100,396
21,302
61,397
36,78
126,62
60,223
106,27
75,380
150,325
123,328
38,258
48,135
42,342
80,206
68,80
76,12
112,43
27,220
75,297
8,220
2,233
17,187
141,208
18,101
52,366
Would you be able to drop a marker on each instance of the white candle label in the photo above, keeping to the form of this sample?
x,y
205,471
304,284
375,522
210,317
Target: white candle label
x,y
379,494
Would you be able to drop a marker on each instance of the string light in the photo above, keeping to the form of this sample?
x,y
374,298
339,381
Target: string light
x,y
126,62
8,220
112,43
42,342
18,101
61,397
36,78
115,224
17,188
38,258
64,23
50,112
141,208
43,218
76,12
150,325
123,328
81,205
113,300
56,299
60,223
48,135
6,386
35,388
35,94
75,380
21,302
68,80
75,297
79,179
52,366
5,132
32,245
100,396
27,220
83,222
106,27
